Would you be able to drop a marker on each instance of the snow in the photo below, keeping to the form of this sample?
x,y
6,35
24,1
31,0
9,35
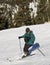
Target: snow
x,y
32,5
10,46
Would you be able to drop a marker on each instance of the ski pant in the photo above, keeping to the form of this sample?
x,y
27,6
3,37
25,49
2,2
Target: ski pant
x,y
26,47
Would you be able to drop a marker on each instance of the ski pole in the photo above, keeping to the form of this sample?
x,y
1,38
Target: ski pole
x,y
20,46
41,52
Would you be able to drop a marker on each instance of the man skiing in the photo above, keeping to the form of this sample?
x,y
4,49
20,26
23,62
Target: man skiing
x,y
29,39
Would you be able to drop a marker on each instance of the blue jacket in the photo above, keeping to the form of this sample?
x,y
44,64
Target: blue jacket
x,y
31,36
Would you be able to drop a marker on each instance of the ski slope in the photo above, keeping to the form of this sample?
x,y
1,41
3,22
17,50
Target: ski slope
x,y
10,45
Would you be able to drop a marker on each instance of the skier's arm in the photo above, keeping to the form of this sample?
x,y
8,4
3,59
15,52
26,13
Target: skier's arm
x,y
22,36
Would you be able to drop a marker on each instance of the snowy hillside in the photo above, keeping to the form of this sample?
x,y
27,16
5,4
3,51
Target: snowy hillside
x,y
10,47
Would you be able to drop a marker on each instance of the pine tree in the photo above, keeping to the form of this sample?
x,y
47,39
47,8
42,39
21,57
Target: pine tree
x,y
41,12
48,10
23,14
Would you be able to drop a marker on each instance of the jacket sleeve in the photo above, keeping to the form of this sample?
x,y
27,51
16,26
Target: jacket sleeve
x,y
23,36
32,38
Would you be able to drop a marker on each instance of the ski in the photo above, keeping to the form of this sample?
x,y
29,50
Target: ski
x,y
23,57
27,56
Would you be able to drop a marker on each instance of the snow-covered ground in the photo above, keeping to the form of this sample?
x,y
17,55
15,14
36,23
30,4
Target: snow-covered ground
x,y
10,47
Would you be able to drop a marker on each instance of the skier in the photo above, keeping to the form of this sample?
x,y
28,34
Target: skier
x,y
29,39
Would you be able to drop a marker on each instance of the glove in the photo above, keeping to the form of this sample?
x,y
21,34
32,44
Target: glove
x,y
19,37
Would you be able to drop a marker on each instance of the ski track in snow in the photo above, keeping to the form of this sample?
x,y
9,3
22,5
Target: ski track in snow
x,y
10,50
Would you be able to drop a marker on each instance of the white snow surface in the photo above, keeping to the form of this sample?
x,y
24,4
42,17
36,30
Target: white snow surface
x,y
10,45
